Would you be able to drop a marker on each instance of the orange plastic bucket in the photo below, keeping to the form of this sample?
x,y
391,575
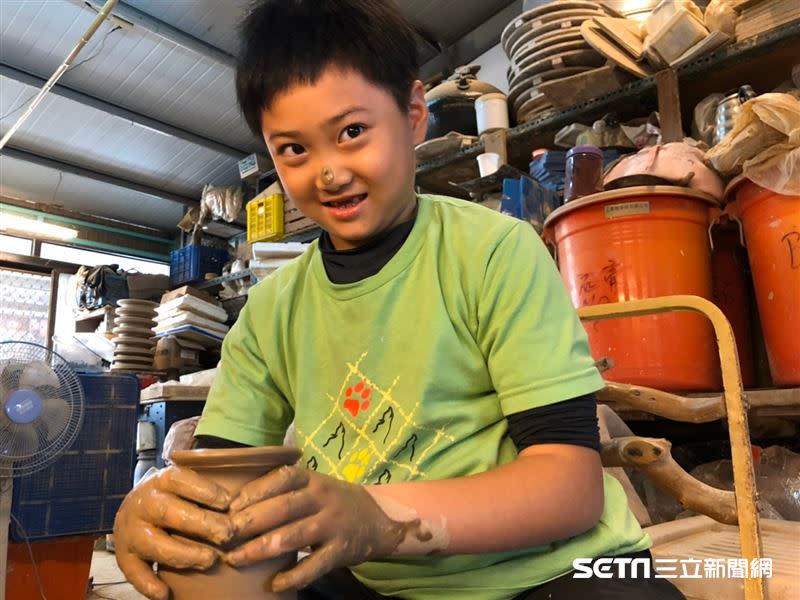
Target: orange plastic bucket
x,y
771,225
63,566
731,293
634,243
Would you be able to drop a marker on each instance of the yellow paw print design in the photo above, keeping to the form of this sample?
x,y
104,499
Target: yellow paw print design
x,y
358,465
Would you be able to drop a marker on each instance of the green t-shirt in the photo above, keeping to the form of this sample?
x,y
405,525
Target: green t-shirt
x,y
409,374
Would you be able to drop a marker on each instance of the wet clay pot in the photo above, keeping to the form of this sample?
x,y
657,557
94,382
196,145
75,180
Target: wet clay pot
x,y
231,468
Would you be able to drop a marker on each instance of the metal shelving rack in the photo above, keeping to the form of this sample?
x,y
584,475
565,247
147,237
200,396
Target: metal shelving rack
x,y
762,61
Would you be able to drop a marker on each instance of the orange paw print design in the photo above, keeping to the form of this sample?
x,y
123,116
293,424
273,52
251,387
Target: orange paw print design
x,y
358,465
357,398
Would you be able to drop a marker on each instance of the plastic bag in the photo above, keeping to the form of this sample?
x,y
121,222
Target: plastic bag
x,y
778,481
179,437
763,144
221,202
705,118
721,16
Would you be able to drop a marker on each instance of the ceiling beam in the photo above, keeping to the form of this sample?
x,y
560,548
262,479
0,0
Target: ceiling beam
x,y
25,156
65,91
166,32
473,44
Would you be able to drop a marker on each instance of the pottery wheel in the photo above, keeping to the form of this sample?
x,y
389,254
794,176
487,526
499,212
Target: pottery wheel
x,y
533,106
137,304
134,359
547,32
135,350
525,52
127,321
132,340
566,20
529,85
574,58
146,313
129,366
512,31
534,55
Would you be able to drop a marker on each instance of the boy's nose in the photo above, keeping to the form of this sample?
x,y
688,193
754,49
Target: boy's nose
x,y
332,176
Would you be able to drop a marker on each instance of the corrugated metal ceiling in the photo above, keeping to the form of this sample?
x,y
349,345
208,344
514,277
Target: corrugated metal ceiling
x,y
155,105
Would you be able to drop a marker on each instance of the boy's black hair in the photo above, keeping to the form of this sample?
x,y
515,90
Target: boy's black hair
x,y
285,42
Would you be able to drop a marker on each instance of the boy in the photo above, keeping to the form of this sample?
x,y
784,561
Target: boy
x,y
439,381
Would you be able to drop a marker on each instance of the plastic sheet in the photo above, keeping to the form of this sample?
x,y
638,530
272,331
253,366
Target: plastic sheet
x,y
221,202
764,144
705,118
678,162
721,16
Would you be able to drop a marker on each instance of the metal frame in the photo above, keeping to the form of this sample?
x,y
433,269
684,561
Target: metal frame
x,y
735,410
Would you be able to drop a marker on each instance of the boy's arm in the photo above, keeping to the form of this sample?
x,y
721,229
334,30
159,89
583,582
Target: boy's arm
x,y
550,492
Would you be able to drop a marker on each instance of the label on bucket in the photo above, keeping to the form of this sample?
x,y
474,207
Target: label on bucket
x,y
613,211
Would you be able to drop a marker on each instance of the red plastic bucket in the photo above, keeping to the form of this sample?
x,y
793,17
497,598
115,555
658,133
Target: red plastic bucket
x,y
634,243
771,225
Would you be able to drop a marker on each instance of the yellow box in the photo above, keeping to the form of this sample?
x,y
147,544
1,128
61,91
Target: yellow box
x,y
265,218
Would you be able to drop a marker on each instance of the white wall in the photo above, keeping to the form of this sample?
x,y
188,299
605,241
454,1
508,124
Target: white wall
x,y
493,64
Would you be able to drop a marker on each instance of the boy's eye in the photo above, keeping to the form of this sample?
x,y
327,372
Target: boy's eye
x,y
351,132
291,150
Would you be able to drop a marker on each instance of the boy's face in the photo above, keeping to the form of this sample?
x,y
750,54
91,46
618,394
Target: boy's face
x,y
344,152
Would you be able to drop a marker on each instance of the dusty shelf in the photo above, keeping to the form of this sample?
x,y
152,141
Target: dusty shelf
x,y
763,61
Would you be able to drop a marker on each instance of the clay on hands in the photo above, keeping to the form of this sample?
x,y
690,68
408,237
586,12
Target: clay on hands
x,y
299,508
169,500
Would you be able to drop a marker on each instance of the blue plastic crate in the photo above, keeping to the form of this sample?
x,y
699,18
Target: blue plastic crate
x,y
80,492
192,262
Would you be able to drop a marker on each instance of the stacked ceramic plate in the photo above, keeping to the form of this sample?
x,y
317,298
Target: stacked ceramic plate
x,y
545,44
134,341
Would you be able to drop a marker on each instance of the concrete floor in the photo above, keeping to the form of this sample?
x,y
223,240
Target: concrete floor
x,y
105,572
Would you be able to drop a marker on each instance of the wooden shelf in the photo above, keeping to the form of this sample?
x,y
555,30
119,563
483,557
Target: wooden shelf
x,y
88,322
763,62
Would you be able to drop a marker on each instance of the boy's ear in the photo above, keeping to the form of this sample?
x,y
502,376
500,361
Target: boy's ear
x,y
418,112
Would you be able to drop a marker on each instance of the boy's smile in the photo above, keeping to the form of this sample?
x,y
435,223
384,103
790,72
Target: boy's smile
x,y
344,151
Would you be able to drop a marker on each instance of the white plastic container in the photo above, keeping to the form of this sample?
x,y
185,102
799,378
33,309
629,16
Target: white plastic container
x,y
488,163
682,31
491,111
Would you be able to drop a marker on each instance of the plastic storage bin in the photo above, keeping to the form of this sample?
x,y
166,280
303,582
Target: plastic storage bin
x,y
265,218
80,493
192,262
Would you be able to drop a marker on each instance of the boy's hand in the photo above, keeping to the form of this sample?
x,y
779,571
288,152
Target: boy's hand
x,y
166,501
298,508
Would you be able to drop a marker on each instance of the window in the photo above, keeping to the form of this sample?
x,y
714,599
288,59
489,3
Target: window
x,y
92,258
15,245
25,306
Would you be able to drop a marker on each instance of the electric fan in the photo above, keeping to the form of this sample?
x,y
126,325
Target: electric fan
x,y
41,411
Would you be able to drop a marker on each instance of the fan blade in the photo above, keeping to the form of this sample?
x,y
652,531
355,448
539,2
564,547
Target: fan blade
x,y
9,378
21,441
56,413
38,374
